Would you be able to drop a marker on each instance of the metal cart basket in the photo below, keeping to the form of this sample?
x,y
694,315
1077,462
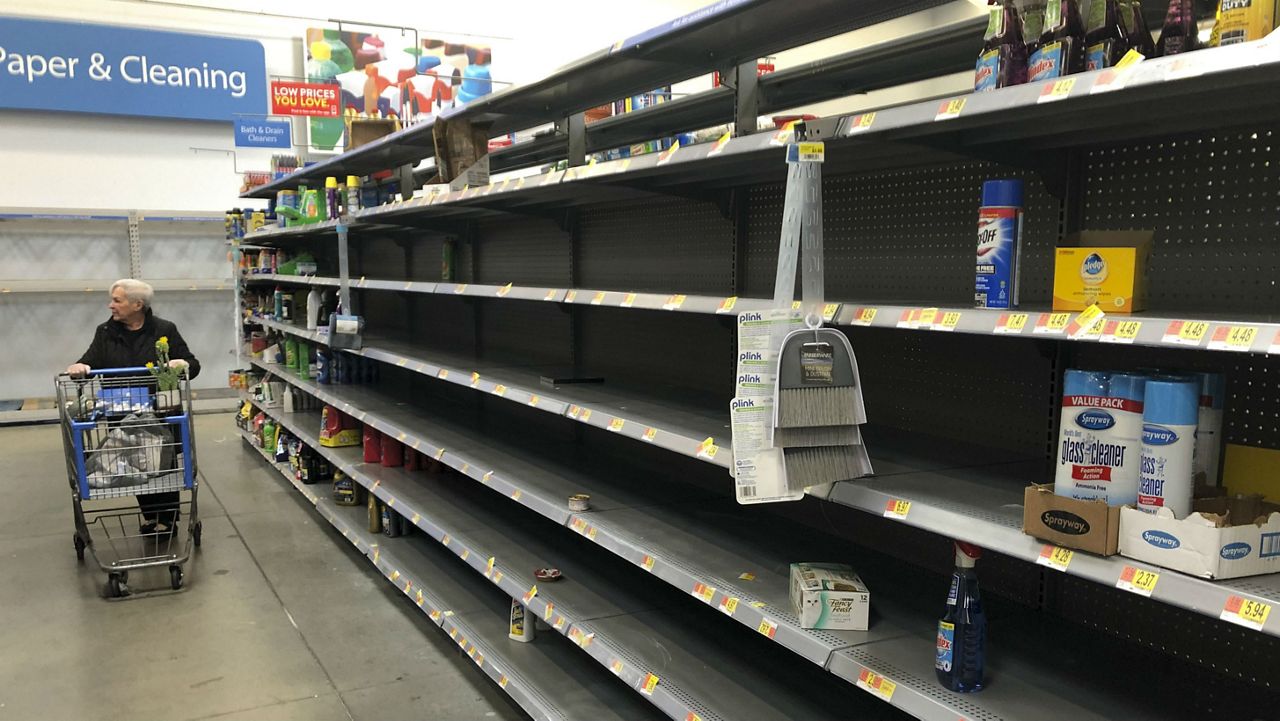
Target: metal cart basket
x,y
123,437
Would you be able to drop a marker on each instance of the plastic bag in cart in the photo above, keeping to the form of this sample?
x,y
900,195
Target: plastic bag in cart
x,y
131,453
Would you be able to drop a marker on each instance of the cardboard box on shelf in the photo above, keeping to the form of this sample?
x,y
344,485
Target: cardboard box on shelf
x,y
1091,526
1108,268
1222,538
829,596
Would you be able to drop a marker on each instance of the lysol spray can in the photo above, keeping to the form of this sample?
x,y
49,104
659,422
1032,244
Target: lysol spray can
x,y
1208,454
522,626
1170,415
999,245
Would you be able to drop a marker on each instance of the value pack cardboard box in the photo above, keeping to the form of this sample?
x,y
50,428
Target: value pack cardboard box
x,y
1087,525
1108,268
1222,538
829,596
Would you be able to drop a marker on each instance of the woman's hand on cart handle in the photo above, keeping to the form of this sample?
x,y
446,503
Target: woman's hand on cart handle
x,y
78,370
179,364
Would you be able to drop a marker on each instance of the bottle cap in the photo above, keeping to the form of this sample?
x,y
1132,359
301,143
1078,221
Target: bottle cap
x,y
330,182
1129,386
1084,383
998,193
967,554
353,181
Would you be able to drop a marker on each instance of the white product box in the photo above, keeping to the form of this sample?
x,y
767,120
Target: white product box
x,y
1205,543
829,596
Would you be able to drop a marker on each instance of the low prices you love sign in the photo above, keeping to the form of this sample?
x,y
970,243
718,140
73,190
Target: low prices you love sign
x,y
318,100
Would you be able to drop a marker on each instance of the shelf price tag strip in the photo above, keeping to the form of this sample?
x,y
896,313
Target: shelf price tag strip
x,y
1246,612
876,684
1055,557
1138,580
1234,338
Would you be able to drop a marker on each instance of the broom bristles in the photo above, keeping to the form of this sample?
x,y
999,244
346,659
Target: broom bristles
x,y
810,436
826,406
826,464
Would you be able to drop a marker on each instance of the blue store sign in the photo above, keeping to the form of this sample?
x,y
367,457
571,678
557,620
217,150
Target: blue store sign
x,y
85,68
263,133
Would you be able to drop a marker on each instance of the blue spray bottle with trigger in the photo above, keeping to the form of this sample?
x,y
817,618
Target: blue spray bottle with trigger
x,y
962,630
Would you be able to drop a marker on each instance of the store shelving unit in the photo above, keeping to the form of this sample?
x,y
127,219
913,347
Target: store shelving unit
x,y
632,270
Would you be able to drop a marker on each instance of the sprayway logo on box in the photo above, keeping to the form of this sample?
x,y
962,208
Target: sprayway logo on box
x,y
1095,420
1154,435
1160,539
1235,551
1065,522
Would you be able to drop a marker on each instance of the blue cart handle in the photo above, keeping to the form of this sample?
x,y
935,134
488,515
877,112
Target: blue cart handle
x,y
120,371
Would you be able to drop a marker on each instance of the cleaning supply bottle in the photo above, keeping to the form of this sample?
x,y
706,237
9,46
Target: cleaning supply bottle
x,y
313,309
1169,418
1139,34
1127,394
352,199
1003,60
1208,452
999,244
962,630
331,195
278,304
1106,40
1061,48
1179,34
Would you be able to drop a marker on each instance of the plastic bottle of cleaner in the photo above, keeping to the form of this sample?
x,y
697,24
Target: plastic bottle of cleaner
x,y
1169,419
331,198
962,630
353,194
522,627
999,244
1089,455
1127,393
1003,60
1208,451
1106,41
1139,34
1061,46
1179,34
278,304
313,308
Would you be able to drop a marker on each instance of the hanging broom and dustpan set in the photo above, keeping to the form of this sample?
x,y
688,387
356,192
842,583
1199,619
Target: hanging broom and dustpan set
x,y
806,432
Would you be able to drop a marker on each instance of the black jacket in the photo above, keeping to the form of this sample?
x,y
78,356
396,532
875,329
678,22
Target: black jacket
x,y
115,346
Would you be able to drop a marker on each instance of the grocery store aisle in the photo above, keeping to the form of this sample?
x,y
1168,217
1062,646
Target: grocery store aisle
x,y
278,621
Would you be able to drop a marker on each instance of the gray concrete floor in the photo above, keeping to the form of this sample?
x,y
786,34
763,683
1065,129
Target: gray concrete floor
x,y
280,618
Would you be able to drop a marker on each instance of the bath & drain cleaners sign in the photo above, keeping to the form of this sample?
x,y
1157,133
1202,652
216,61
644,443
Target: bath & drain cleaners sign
x,y
86,68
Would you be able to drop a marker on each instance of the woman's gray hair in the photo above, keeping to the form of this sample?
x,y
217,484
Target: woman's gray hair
x,y
135,290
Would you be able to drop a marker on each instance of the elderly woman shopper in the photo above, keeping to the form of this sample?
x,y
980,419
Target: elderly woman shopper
x,y
128,340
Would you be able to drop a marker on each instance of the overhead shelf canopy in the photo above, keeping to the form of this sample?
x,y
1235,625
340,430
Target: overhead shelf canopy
x,y
717,37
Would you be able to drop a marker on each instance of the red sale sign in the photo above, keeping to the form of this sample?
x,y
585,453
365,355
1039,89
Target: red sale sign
x,y
319,100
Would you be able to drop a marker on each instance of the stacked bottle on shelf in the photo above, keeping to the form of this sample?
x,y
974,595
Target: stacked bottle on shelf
x,y
1141,439
1046,39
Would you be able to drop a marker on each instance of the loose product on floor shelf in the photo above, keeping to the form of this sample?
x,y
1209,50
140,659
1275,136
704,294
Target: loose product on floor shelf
x,y
962,631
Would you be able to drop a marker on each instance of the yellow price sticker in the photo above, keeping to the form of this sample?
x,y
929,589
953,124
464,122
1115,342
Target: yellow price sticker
x,y
647,563
1055,557
1058,90
707,449
865,316
466,553
691,716
502,682
1086,322
1011,323
598,298
1246,612
517,494
628,300
950,109
586,415
571,296
533,400
504,290
1127,329
1132,57
729,605
528,596
551,294
445,539
705,592
616,424
460,288
439,454
475,379
950,320
1052,323
862,123
829,311
876,684
499,390
1234,338
674,302
746,576
616,667
727,304
897,508
811,152
1138,580
548,612
443,374
767,628
926,318
1189,331
650,683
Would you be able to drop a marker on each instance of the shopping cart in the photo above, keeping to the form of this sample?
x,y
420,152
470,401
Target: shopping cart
x,y
123,437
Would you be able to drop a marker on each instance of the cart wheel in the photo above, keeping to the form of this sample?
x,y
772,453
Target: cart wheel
x,y
195,533
79,544
115,586
175,577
